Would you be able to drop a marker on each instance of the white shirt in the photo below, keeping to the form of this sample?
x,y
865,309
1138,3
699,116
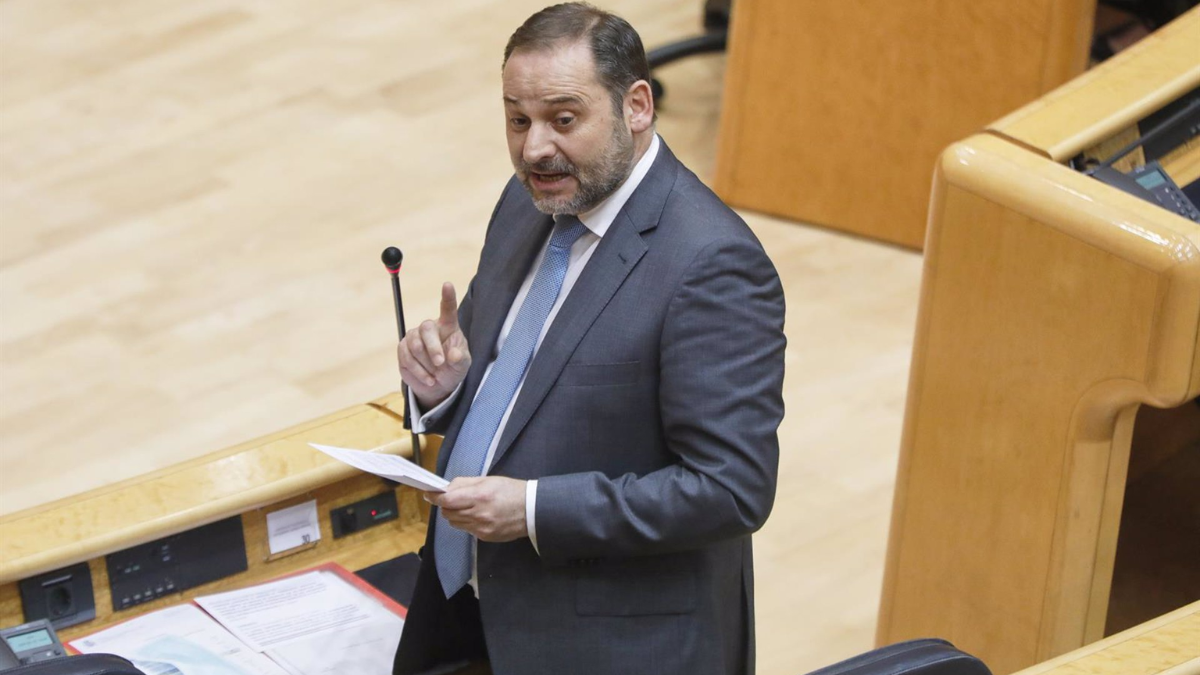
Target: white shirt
x,y
597,221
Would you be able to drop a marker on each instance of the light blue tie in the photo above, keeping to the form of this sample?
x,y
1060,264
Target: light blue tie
x,y
453,547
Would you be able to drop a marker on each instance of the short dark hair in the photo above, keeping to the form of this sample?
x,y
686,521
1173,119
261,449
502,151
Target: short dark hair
x,y
616,47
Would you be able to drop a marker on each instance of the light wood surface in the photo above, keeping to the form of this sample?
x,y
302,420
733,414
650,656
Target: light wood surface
x,y
1051,307
1167,645
1112,96
246,481
355,552
193,198
839,110
227,483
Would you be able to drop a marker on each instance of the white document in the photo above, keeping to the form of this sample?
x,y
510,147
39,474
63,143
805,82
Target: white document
x,y
312,624
277,613
292,527
391,467
369,649
178,641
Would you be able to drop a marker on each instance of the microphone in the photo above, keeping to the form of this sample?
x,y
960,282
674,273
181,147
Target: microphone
x,y
392,258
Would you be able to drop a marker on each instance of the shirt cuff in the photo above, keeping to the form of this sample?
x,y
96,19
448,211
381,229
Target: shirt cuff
x,y
422,421
530,509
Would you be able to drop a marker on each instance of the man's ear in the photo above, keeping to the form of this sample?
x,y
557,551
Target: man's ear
x,y
639,107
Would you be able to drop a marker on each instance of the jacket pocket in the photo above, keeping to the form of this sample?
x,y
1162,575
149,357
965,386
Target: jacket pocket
x,y
599,374
635,595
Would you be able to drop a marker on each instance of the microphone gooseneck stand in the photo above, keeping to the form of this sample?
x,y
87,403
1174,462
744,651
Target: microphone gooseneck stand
x,y
392,259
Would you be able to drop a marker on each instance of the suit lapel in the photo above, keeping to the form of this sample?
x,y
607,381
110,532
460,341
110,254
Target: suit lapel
x,y
496,287
615,257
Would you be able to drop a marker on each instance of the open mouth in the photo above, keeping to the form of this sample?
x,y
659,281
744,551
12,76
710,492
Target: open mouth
x,y
549,180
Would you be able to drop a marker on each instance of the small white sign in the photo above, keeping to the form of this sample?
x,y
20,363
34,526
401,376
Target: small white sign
x,y
293,527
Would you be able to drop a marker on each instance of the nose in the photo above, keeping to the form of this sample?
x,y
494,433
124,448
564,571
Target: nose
x,y
539,144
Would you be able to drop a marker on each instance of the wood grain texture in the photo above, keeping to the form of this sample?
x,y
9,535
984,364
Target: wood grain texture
x,y
353,552
1051,307
195,493
262,475
837,111
1166,645
1112,96
193,198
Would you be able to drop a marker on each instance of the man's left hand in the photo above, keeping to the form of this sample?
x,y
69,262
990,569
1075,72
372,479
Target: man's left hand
x,y
492,508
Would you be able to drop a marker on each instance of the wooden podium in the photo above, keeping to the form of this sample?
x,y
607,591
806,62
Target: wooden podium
x,y
1052,308
244,482
834,113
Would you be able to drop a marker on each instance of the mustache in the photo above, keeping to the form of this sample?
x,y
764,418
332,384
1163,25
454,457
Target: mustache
x,y
549,166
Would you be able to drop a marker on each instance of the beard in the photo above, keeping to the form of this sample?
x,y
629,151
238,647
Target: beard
x,y
596,180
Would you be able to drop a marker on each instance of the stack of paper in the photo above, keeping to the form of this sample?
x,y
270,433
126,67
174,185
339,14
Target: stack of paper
x,y
310,624
181,640
316,623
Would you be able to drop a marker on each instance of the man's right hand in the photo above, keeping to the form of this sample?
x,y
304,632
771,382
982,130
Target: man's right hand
x,y
434,357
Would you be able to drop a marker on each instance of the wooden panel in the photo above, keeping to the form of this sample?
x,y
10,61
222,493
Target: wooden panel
x,y
384,542
249,480
1155,570
1167,645
194,493
835,113
1112,96
1051,306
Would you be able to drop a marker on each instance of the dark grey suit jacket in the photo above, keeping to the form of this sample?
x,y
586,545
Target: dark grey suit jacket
x,y
649,417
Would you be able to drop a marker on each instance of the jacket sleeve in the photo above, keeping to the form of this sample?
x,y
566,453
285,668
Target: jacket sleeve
x,y
721,402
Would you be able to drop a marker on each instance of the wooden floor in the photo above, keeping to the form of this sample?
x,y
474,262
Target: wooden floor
x,y
193,198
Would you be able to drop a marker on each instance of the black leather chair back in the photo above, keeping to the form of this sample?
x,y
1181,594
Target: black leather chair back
x,y
86,664
915,657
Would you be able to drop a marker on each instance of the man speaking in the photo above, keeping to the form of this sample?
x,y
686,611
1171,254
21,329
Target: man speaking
x,y
609,389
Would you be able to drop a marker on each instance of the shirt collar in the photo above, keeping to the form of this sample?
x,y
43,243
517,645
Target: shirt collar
x,y
601,217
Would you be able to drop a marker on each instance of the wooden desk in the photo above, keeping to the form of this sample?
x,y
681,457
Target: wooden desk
x,y
248,480
1168,645
834,112
1052,308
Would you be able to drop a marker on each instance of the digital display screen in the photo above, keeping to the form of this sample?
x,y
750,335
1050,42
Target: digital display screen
x,y
1151,180
27,641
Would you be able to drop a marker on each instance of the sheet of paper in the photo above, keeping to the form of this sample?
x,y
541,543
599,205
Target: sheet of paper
x,y
284,611
179,640
369,649
312,624
388,466
292,527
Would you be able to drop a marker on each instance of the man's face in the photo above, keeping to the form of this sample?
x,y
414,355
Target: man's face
x,y
569,147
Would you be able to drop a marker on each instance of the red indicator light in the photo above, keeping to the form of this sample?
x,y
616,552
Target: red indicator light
x,y
374,513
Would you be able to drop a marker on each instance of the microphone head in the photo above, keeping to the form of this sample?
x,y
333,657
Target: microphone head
x,y
392,257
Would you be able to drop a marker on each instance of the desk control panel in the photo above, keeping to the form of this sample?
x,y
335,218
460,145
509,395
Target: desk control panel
x,y
33,642
173,564
1152,184
363,514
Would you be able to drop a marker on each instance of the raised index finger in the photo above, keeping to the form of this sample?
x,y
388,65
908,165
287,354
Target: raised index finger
x,y
449,317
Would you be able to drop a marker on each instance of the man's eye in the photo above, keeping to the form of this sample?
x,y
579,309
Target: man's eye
x,y
518,122
564,120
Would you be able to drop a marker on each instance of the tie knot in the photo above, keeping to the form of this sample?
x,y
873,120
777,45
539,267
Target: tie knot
x,y
567,229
